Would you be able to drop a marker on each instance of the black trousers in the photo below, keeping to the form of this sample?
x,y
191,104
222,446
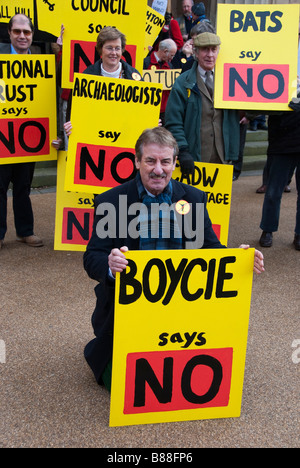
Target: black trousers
x,y
281,168
238,165
20,175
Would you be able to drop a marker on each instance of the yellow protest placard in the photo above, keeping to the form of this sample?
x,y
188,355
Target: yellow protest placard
x,y
74,214
84,21
216,181
51,16
165,77
108,116
9,8
154,24
257,64
27,108
180,335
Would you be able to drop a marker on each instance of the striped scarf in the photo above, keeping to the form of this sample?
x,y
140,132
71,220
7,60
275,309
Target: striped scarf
x,y
158,226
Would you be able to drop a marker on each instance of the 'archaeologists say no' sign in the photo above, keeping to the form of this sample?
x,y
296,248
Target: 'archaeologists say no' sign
x,y
101,148
181,325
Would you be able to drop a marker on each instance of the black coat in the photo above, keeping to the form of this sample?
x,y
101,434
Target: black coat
x,y
284,133
129,72
99,351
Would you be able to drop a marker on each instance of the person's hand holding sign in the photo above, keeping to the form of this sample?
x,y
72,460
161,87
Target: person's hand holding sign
x,y
117,261
258,260
68,128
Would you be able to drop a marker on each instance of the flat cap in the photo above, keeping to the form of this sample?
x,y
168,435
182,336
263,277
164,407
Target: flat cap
x,y
207,39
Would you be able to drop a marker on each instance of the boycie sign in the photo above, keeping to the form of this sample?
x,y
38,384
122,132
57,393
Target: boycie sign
x,y
181,326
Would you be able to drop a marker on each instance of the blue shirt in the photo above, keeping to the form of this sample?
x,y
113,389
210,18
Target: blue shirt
x,y
13,51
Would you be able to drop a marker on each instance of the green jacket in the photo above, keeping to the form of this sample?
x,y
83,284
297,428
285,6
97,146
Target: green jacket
x,y
183,118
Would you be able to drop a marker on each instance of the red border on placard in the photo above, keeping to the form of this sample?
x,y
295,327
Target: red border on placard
x,y
270,83
201,380
13,129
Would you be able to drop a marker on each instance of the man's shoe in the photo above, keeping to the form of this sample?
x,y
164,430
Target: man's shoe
x,y
266,239
297,241
31,241
287,189
262,189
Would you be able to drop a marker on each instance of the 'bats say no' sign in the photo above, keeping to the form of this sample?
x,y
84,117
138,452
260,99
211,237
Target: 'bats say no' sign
x,y
255,69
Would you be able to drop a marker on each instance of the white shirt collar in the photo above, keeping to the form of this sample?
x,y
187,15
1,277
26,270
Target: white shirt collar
x,y
203,72
115,74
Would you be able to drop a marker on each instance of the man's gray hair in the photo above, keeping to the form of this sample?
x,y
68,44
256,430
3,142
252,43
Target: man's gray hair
x,y
156,136
167,44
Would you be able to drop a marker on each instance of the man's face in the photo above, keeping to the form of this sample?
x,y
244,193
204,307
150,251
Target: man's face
x,y
187,7
207,56
111,54
156,167
21,35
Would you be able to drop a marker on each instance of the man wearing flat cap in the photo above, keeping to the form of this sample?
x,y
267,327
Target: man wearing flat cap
x,y
203,133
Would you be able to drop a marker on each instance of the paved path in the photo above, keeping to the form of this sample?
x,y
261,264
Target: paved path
x,y
48,397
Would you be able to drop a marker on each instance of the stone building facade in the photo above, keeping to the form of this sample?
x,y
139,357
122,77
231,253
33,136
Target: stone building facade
x,y
211,5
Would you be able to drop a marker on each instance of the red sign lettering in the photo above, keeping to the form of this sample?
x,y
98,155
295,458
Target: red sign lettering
x,y
103,166
256,83
177,380
77,226
217,230
24,137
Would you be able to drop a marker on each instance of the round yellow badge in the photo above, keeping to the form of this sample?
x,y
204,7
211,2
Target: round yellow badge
x,y
182,207
136,77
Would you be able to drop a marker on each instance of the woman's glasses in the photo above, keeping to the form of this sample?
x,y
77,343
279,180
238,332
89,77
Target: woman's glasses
x,y
112,49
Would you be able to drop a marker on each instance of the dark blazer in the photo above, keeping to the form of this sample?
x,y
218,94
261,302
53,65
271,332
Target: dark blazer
x,y
129,71
284,133
99,351
5,49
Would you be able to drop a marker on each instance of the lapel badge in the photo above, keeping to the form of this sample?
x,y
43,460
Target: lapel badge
x,y
136,77
182,207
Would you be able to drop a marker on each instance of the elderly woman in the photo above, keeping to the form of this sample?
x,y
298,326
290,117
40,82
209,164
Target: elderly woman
x,y
111,45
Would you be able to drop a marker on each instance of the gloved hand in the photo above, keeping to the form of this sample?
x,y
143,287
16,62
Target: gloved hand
x,y
295,104
186,162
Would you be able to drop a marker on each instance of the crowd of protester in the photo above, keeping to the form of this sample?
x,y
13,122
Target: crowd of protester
x,y
203,133
191,129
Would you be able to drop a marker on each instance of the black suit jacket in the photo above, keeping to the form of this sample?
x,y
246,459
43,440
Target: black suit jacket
x,y
5,49
99,351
